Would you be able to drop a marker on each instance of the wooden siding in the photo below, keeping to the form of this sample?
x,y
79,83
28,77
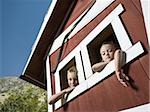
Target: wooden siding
x,y
110,95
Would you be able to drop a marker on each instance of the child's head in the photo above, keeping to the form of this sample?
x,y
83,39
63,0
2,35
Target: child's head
x,y
107,51
72,77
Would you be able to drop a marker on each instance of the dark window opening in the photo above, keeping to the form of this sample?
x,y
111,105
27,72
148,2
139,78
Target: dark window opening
x,y
93,47
63,74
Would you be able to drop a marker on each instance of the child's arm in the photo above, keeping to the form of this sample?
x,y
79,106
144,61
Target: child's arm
x,y
99,66
58,96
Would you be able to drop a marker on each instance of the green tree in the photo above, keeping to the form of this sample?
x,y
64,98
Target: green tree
x,y
29,98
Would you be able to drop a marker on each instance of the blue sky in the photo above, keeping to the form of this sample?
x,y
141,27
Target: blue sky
x,y
20,22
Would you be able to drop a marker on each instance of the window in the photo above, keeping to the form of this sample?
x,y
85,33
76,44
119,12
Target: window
x,y
63,74
93,47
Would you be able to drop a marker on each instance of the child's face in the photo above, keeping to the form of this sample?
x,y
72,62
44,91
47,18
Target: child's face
x,y
72,79
107,52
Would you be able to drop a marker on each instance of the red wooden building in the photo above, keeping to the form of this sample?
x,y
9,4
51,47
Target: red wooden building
x,y
72,33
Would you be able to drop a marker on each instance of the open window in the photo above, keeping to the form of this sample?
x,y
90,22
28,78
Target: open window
x,y
61,81
63,74
94,46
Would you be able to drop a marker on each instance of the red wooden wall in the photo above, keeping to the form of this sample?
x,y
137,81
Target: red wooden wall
x,y
110,95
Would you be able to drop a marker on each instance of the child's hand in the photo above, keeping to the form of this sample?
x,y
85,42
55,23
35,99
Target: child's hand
x,y
124,83
69,89
122,78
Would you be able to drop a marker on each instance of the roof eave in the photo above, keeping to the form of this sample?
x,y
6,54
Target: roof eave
x,y
54,22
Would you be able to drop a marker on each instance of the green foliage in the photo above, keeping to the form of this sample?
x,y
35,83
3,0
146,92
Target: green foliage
x,y
29,98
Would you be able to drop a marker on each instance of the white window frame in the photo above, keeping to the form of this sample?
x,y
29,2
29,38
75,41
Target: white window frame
x,y
132,52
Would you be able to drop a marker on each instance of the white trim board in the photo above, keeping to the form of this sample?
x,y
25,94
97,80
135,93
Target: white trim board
x,y
146,13
49,90
141,108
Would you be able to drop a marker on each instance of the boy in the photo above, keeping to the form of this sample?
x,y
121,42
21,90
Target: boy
x,y
109,52
72,82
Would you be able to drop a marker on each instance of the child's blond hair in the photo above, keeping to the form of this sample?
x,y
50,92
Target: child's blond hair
x,y
72,69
